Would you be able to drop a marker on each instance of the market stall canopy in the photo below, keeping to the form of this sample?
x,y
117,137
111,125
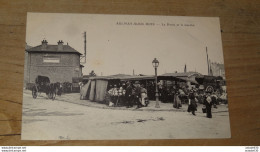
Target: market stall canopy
x,y
206,78
185,76
96,88
122,77
182,74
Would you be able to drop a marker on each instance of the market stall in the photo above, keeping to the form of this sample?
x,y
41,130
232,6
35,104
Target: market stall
x,y
96,88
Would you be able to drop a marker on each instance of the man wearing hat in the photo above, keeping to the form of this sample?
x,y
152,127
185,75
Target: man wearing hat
x,y
114,94
137,94
128,95
192,103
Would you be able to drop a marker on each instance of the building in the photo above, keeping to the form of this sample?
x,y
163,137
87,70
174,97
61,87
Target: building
x,y
59,62
25,63
217,69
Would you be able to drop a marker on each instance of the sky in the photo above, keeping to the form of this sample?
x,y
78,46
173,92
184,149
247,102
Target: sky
x,y
119,44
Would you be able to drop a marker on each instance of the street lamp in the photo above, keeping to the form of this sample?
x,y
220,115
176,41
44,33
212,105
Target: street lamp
x,y
155,65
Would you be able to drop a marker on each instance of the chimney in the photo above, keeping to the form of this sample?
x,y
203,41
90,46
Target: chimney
x,y
60,45
44,44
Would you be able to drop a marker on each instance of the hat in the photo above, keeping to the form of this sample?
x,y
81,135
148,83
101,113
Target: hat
x,y
137,82
209,89
128,82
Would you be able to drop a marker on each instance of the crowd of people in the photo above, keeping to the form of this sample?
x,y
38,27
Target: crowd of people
x,y
182,95
130,94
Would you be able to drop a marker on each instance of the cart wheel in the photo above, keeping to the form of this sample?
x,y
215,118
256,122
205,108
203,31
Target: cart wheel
x,y
34,92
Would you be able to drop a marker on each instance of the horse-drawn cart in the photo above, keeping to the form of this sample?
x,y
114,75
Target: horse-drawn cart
x,y
42,84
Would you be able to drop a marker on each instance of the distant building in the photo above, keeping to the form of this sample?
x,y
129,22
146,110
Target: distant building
x,y
59,62
217,69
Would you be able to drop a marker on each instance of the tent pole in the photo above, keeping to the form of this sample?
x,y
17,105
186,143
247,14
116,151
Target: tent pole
x,y
146,85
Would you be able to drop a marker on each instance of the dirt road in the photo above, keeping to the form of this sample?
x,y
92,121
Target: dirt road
x,y
45,119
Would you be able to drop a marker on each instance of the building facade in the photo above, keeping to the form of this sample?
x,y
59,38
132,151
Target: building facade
x,y
59,62
217,69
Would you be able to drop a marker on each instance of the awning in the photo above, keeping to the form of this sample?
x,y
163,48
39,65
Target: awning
x,y
177,78
123,78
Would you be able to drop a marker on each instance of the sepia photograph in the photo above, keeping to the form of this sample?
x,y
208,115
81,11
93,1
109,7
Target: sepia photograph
x,y
123,77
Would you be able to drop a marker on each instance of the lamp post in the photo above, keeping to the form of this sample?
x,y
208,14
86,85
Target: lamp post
x,y
155,65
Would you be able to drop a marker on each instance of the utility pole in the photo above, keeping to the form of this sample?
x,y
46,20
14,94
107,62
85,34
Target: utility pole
x,y
85,47
207,59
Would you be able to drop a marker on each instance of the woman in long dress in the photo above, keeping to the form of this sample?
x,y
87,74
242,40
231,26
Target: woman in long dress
x,y
143,95
192,103
176,99
208,103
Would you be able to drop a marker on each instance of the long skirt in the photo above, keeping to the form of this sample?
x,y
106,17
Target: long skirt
x,y
208,110
192,106
143,96
176,102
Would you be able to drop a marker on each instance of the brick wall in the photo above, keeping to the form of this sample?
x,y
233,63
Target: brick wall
x,y
68,67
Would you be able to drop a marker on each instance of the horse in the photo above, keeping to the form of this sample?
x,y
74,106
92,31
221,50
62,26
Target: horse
x,y
53,89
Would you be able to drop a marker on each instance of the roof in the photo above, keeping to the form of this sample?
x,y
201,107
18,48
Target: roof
x,y
184,74
208,78
122,77
53,49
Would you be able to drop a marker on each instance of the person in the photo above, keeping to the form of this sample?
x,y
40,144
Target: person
x,y
164,94
120,96
192,103
109,97
214,100
181,94
143,95
160,92
208,103
171,94
137,95
151,91
128,95
115,94
123,99
201,97
176,99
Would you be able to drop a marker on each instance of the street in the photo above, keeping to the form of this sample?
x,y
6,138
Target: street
x,y
65,119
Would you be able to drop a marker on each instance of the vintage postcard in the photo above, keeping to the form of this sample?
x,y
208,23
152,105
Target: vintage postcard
x,y
107,77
